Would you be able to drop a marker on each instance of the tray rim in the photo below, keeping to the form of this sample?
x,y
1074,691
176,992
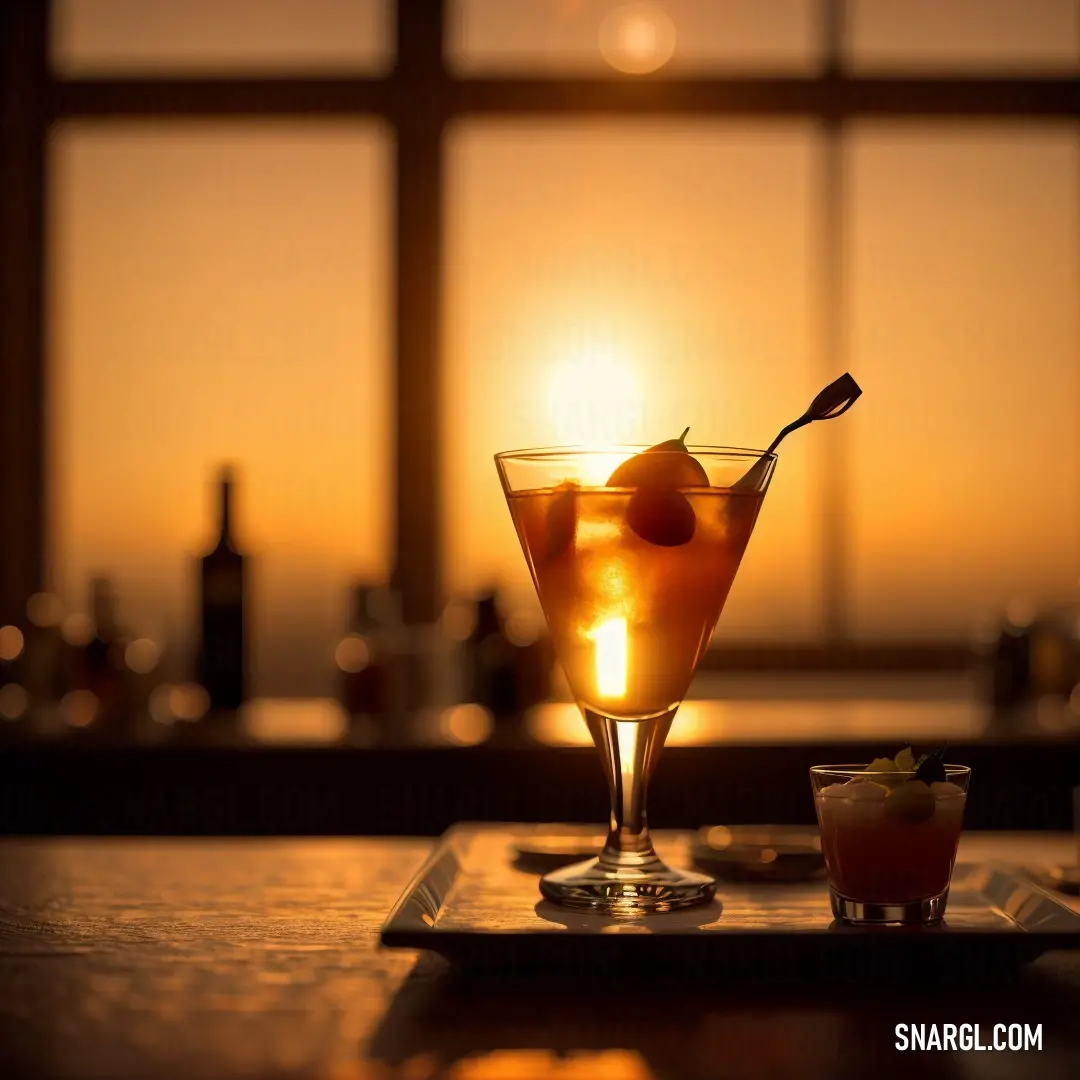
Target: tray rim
x,y
397,933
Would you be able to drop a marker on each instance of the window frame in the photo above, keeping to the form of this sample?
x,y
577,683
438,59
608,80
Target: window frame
x,y
417,98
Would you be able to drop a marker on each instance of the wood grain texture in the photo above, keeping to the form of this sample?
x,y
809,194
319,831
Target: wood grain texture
x,y
230,958
215,958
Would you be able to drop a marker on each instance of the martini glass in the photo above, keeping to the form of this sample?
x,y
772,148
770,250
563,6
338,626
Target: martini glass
x,y
632,582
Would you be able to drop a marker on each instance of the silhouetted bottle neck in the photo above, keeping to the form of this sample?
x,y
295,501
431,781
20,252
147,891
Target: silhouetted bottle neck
x,y
103,607
225,512
374,606
361,617
488,621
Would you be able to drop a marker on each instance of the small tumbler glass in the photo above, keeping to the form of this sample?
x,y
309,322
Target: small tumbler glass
x,y
889,841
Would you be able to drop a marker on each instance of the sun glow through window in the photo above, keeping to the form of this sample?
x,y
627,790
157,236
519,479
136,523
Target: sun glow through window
x,y
595,401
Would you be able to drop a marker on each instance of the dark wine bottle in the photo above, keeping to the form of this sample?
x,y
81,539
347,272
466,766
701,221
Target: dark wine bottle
x,y
362,658
490,662
223,604
103,657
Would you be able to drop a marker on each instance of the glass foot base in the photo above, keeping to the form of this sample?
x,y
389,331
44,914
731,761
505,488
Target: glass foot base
x,y
592,886
915,912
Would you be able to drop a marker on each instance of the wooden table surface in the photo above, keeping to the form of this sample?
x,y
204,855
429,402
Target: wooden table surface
x,y
260,957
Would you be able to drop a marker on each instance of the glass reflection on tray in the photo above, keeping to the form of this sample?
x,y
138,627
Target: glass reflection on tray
x,y
759,852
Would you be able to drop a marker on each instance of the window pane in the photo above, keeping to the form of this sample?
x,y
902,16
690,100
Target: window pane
x,y
617,282
964,334
605,35
155,36
968,34
219,293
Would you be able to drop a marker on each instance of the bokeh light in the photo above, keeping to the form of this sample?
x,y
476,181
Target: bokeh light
x,y
11,642
1074,700
523,627
307,721
720,837
352,654
142,656
14,701
459,620
160,710
1052,712
1021,611
637,38
44,609
557,724
189,701
466,725
78,629
79,708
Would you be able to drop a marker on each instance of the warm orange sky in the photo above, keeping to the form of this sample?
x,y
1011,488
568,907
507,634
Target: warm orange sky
x,y
247,35
693,266
965,330
221,291
560,34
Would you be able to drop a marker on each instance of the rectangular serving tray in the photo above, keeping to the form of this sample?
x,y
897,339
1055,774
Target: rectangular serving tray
x,y
477,903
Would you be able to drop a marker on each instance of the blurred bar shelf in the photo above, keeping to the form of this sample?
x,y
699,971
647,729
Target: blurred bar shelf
x,y
301,767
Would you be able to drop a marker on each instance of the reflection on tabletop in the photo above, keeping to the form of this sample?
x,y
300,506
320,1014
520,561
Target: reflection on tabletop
x,y
437,1028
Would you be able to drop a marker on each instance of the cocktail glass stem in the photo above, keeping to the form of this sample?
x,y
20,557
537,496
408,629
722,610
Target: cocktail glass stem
x,y
628,877
629,750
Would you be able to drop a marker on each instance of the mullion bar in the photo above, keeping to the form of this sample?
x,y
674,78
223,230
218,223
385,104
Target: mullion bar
x,y
418,253
833,94
24,486
833,482
109,98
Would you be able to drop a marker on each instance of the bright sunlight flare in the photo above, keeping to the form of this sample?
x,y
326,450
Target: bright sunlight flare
x,y
611,650
595,400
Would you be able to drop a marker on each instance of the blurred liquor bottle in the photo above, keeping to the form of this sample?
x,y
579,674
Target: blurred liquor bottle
x,y
102,663
1055,652
398,641
144,658
1034,660
41,663
489,661
224,609
533,659
14,700
362,659
1006,656
426,666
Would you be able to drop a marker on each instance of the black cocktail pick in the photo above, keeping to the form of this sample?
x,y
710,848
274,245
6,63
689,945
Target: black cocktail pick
x,y
833,401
